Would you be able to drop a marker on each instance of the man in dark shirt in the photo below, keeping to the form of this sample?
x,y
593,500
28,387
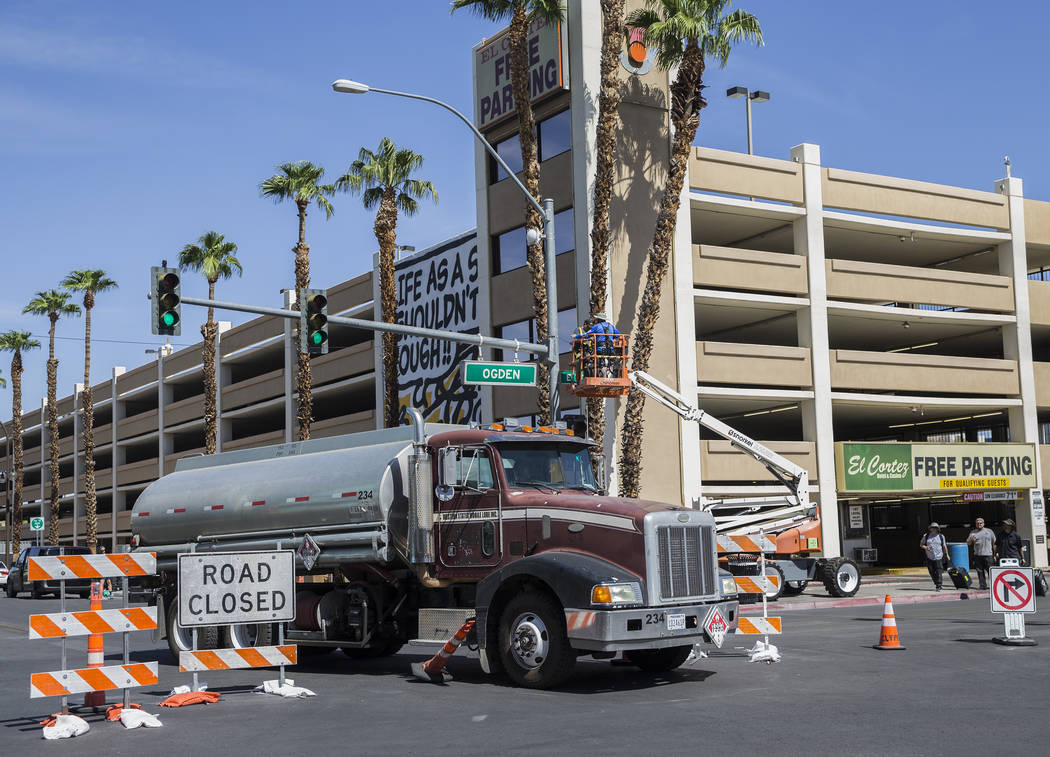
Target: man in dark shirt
x,y
1009,543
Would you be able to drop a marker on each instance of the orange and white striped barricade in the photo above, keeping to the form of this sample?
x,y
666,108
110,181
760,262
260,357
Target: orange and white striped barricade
x,y
745,543
758,584
234,659
759,626
765,626
97,677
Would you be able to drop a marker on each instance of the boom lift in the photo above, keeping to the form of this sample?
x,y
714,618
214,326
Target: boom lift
x,y
789,523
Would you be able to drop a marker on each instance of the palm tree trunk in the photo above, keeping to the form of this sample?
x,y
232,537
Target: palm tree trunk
x,y
208,331
90,498
302,374
16,422
386,234
52,434
609,97
686,102
518,37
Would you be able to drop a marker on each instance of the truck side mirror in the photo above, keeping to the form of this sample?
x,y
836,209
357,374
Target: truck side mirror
x,y
448,472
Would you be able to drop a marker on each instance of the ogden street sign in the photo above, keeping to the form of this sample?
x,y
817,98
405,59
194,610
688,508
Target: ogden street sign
x,y
499,374
911,467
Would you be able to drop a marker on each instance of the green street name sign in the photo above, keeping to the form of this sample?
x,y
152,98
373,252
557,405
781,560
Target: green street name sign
x,y
36,524
499,374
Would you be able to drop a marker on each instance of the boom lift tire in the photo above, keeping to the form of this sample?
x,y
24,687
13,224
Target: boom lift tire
x,y
841,577
774,594
181,639
658,660
794,588
533,642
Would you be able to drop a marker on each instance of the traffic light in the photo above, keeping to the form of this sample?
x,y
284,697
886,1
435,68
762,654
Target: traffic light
x,y
313,322
165,302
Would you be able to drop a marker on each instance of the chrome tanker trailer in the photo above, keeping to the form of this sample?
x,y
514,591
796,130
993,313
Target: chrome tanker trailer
x,y
422,527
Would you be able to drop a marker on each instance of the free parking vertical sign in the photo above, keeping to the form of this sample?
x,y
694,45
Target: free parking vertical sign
x,y
1013,589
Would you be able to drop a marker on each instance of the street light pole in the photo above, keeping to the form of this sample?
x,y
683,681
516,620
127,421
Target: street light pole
x,y
546,210
759,96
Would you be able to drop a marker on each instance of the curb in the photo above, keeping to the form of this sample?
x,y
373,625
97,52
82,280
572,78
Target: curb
x,y
756,609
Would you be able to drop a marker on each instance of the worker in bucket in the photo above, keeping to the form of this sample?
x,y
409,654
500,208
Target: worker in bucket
x,y
582,346
603,332
936,550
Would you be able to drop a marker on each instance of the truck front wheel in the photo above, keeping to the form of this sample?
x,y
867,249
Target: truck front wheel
x,y
533,643
841,577
658,660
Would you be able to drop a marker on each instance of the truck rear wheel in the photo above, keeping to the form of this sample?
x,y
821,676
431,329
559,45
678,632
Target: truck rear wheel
x,y
658,660
533,642
841,577
181,639
242,635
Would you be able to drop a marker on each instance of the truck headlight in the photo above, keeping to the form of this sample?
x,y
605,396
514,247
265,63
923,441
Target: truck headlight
x,y
728,586
616,594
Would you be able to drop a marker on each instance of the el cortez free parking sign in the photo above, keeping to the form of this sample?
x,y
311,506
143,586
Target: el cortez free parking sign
x,y
236,587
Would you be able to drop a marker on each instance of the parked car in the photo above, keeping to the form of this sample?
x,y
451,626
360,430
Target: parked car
x,y
3,573
18,581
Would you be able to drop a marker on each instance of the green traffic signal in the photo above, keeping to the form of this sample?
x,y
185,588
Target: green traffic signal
x,y
166,301
313,322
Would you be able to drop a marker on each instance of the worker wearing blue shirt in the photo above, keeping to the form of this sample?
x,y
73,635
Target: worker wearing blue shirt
x,y
604,331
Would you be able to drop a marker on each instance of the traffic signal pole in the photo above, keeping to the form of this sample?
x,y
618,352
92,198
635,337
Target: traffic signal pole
x,y
481,340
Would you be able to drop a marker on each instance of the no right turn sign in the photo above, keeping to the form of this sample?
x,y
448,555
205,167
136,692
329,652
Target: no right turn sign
x,y
1013,590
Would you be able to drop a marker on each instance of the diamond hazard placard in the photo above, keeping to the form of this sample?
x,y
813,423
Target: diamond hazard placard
x,y
716,627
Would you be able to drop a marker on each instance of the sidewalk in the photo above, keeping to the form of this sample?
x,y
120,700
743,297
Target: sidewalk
x,y
903,588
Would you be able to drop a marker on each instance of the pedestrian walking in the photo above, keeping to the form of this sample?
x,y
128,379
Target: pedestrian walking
x,y
1008,545
936,549
983,542
107,585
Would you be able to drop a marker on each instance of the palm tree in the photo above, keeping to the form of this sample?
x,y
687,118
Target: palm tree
x,y
213,256
609,96
383,179
521,14
17,342
299,182
90,282
684,33
54,304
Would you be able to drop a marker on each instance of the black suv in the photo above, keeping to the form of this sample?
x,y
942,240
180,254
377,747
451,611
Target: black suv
x,y
17,579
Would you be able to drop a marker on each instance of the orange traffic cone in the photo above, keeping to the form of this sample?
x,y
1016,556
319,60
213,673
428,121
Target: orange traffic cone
x,y
96,653
888,638
434,668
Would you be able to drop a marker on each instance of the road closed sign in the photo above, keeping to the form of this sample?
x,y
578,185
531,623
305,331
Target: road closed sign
x,y
236,587
1013,590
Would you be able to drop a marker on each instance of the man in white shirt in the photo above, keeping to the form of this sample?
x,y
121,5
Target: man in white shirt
x,y
983,541
935,548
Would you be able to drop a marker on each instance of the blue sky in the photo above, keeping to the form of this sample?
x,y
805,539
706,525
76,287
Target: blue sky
x,y
127,129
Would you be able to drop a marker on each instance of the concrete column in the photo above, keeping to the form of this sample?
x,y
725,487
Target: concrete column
x,y
78,414
1017,345
222,376
289,366
116,455
817,424
685,332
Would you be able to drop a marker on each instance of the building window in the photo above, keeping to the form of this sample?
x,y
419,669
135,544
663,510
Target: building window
x,y
509,251
987,435
553,137
525,331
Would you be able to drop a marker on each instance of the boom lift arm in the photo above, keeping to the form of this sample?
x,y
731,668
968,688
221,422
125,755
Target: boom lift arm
x,y
793,476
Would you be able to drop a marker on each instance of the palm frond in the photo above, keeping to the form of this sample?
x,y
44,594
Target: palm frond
x,y
18,341
51,301
91,280
212,256
490,10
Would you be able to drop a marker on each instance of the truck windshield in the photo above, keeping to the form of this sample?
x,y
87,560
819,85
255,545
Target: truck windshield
x,y
547,466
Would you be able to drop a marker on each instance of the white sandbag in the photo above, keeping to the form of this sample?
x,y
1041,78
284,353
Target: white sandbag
x,y
66,727
136,718
288,690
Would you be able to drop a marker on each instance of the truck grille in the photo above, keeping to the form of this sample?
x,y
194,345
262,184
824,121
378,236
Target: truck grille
x,y
685,556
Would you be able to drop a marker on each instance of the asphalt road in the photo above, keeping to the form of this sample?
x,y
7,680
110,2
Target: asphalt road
x,y
950,692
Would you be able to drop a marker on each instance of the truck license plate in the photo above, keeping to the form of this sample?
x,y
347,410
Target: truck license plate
x,y
675,622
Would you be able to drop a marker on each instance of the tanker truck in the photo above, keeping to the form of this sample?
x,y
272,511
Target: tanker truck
x,y
422,527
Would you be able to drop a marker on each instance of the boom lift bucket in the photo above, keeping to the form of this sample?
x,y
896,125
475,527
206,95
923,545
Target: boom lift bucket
x,y
599,365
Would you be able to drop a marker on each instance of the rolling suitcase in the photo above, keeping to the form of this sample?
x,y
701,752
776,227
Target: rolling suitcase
x,y
960,577
1040,583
